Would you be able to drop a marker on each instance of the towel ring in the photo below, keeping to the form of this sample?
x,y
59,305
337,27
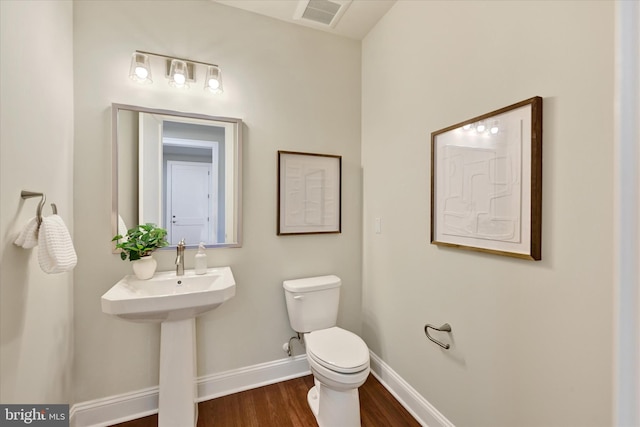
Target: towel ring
x,y
444,328
29,194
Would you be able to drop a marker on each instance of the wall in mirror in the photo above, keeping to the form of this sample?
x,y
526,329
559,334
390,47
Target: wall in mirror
x,y
181,171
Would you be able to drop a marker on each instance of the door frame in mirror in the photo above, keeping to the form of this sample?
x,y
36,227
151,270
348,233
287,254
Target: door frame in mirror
x,y
115,108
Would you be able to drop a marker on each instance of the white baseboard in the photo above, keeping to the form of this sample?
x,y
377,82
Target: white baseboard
x,y
128,406
423,411
115,409
255,376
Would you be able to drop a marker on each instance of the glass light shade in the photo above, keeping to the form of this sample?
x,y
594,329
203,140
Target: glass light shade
x,y
178,74
140,70
213,80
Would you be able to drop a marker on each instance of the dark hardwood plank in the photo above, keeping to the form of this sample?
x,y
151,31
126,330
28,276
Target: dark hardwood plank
x,y
284,404
379,408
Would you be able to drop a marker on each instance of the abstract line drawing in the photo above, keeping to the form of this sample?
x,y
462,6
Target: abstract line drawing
x,y
308,193
482,195
486,182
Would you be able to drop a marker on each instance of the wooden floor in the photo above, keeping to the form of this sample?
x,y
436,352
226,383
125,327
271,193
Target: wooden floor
x,y
285,405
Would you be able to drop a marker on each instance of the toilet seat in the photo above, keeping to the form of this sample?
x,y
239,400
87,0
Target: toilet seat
x,y
338,350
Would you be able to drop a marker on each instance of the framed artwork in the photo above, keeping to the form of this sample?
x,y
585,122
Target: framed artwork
x,y
309,193
486,182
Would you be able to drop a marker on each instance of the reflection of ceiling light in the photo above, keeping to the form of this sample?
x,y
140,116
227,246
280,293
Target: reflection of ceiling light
x,y
494,128
180,72
480,127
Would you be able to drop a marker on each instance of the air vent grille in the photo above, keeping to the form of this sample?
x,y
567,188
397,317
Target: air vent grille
x,y
321,12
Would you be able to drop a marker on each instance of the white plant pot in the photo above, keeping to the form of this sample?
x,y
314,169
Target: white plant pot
x,y
145,267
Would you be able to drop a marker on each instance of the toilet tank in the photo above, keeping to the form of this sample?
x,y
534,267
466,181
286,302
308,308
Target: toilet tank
x,y
312,303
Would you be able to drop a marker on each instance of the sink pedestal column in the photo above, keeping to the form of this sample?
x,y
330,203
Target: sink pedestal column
x,y
177,402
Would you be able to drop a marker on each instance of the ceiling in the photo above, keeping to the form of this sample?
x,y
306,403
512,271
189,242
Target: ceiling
x,y
358,18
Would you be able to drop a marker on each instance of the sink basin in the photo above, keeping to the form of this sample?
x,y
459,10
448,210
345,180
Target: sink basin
x,y
169,297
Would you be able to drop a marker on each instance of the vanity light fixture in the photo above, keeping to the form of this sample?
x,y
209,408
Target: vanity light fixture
x,y
494,128
480,127
179,71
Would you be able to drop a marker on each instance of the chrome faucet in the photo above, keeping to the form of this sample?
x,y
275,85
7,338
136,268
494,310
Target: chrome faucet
x,y
180,259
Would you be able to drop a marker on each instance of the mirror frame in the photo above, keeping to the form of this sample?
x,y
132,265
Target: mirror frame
x,y
115,108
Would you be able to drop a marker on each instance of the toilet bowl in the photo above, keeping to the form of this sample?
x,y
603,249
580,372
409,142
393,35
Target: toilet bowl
x,y
338,359
339,362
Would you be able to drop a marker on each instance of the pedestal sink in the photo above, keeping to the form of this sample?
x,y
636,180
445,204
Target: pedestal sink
x,y
175,301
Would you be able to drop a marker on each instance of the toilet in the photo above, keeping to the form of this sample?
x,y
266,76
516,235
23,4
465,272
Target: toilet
x,y
339,359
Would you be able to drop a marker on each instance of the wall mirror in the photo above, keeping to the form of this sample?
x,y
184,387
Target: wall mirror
x,y
180,171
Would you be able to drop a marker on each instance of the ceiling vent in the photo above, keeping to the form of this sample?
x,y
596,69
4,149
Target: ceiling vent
x,y
325,13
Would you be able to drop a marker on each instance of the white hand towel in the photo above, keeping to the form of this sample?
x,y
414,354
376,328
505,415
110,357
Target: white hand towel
x,y
28,237
55,253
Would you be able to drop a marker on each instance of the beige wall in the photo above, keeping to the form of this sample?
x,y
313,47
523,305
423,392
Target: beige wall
x,y
36,154
296,89
532,341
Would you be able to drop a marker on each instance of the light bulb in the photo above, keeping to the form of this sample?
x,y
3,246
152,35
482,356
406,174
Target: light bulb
x,y
481,127
493,130
179,79
141,73
467,126
213,84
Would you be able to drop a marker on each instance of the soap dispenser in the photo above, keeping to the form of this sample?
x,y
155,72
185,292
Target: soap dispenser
x,y
201,260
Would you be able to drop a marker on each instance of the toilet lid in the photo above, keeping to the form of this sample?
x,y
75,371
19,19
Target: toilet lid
x,y
338,350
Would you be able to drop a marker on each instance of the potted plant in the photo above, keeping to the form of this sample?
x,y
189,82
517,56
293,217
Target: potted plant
x,y
138,245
